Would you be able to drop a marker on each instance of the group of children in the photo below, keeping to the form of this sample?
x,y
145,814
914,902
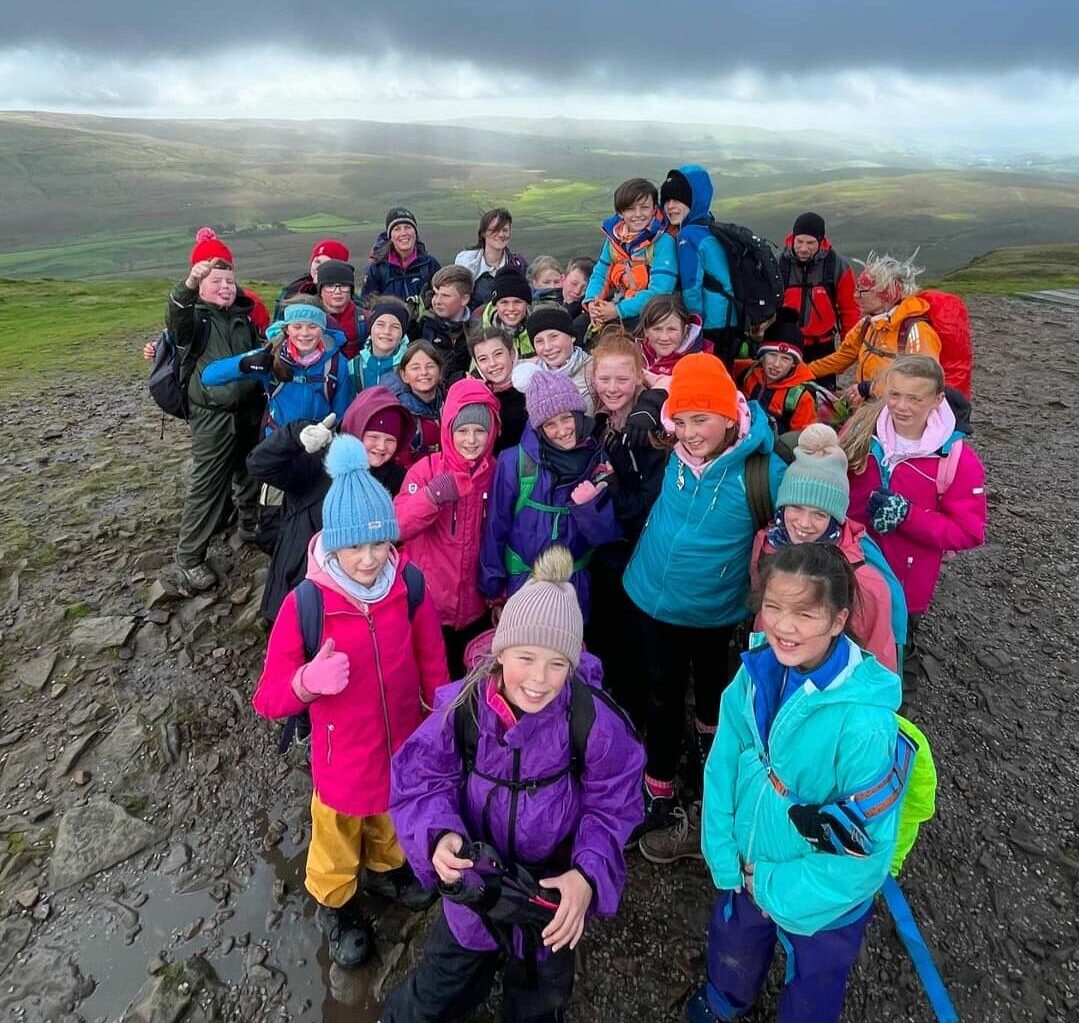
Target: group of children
x,y
569,493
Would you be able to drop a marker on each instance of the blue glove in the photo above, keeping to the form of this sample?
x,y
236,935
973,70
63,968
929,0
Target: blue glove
x,y
887,510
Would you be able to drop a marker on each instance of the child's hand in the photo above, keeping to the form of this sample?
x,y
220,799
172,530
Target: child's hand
x,y
586,491
568,924
448,865
448,487
602,312
258,361
316,436
149,350
887,510
327,674
197,274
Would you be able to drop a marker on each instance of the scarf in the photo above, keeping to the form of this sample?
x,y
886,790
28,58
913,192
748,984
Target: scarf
x,y
304,360
569,466
938,429
357,591
663,365
778,536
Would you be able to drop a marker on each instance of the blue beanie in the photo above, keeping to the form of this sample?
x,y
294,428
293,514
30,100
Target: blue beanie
x,y
357,509
304,313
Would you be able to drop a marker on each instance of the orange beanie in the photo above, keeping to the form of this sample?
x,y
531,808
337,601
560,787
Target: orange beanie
x,y
701,383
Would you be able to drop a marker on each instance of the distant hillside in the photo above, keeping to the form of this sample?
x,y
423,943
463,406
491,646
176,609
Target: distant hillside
x,y
94,196
1020,268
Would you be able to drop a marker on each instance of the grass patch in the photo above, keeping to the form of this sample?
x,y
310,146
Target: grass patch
x,y
322,222
1018,269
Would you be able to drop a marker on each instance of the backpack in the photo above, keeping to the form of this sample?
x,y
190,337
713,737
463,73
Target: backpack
x,y
171,370
309,611
328,379
874,556
757,478
756,291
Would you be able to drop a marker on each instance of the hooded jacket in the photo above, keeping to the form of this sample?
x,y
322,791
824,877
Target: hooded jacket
x,y
313,392
386,275
691,565
823,744
821,291
395,666
281,461
873,342
369,370
432,795
871,619
550,517
700,253
630,271
772,397
427,436
936,523
444,540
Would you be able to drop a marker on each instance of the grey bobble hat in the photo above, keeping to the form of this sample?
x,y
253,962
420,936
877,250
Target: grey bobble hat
x,y
473,415
817,477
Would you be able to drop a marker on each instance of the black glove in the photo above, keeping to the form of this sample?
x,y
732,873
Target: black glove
x,y
258,361
643,421
832,827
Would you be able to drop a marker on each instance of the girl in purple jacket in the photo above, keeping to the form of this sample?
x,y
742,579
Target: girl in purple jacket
x,y
549,489
524,788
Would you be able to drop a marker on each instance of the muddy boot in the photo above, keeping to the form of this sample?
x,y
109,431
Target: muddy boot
x,y
401,886
680,840
197,577
347,932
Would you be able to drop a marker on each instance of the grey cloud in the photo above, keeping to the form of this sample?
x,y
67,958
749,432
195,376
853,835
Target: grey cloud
x,y
633,44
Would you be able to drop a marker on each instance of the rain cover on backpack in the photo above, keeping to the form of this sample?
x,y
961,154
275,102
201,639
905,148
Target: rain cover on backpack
x,y
948,316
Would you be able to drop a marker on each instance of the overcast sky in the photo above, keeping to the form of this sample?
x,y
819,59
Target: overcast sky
x,y
982,71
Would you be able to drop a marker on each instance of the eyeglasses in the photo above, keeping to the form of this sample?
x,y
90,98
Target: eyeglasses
x,y
336,289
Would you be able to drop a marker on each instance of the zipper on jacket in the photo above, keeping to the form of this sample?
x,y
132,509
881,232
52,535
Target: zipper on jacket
x,y
329,742
381,685
514,795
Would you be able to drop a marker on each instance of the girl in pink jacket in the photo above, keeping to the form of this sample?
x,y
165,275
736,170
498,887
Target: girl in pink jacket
x,y
365,666
812,508
442,507
916,483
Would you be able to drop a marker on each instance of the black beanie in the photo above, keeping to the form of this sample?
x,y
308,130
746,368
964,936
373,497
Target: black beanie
x,y
550,316
399,215
676,186
811,224
389,308
510,283
336,271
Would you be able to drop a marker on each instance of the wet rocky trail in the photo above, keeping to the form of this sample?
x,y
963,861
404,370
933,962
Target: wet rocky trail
x,y
152,840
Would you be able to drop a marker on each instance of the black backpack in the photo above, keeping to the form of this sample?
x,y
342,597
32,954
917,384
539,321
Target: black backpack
x,y
309,611
172,369
756,291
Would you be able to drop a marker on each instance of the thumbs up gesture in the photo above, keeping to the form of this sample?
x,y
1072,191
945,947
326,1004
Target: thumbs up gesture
x,y
326,675
316,436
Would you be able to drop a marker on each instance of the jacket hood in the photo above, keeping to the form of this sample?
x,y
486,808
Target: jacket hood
x,y
912,305
862,681
366,405
423,409
468,392
657,226
700,185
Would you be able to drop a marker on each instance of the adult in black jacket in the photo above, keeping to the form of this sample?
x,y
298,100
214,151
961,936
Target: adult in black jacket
x,y
285,460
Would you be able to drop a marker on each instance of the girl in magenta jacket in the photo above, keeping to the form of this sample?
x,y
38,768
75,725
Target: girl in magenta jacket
x,y
916,482
442,506
367,688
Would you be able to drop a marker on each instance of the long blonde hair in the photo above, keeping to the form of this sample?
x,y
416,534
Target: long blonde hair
x,y
857,434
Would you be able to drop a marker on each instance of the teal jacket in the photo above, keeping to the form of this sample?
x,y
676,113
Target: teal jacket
x,y
824,744
691,565
700,254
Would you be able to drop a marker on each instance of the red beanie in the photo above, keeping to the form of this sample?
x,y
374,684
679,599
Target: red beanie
x,y
332,248
209,246
701,383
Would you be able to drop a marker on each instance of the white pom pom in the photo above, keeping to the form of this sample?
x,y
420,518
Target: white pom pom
x,y
818,439
346,454
523,373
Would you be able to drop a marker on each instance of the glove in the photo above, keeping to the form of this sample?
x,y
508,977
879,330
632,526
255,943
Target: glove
x,y
887,510
447,487
586,491
832,828
641,424
316,436
259,361
326,675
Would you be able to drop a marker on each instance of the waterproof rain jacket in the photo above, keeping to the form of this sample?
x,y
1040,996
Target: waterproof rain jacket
x,y
630,271
821,291
823,745
775,397
444,540
581,824
395,666
386,275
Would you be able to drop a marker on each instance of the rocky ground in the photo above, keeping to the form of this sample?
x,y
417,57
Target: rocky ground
x,y
151,839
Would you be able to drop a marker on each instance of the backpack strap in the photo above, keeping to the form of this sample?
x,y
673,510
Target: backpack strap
x,y
794,395
582,716
309,611
466,729
948,466
904,332
758,489
527,475
415,586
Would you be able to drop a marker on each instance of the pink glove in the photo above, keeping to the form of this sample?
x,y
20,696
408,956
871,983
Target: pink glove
x,y
326,675
586,491
446,487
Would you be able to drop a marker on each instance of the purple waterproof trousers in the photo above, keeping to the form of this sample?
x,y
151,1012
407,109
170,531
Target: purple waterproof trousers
x,y
741,944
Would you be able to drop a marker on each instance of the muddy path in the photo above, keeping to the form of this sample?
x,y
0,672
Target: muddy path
x,y
152,841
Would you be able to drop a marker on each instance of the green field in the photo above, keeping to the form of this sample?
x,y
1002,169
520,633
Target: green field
x,y
1019,269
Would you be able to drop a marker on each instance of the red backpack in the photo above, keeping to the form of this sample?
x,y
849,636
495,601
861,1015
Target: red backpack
x,y
948,316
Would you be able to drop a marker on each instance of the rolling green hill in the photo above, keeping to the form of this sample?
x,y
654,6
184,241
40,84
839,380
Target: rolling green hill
x,y
1018,269
94,197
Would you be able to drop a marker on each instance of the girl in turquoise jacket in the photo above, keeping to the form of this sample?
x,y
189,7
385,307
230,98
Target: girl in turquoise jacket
x,y
806,766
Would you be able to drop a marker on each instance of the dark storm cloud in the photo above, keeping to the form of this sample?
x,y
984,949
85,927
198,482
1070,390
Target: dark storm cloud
x,y
629,44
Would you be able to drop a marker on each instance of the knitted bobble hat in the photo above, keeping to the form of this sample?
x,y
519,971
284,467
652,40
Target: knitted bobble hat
x,y
547,394
817,478
209,246
545,611
332,248
357,509
400,215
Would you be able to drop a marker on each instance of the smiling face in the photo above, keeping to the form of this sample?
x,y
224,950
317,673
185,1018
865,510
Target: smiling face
x,y
573,286
403,237
799,626
532,676
702,434
804,523
547,279
776,365
497,236
304,335
511,311
422,375
218,288
561,431
616,380
386,334
494,361
676,211
553,347
638,216
910,401
665,335
470,441
365,562
381,447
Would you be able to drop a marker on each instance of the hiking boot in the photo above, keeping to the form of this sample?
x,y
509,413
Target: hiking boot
x,y
401,886
198,577
680,840
347,932
657,814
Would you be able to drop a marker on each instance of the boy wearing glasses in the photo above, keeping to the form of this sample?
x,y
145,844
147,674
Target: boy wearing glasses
x,y
637,261
336,291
